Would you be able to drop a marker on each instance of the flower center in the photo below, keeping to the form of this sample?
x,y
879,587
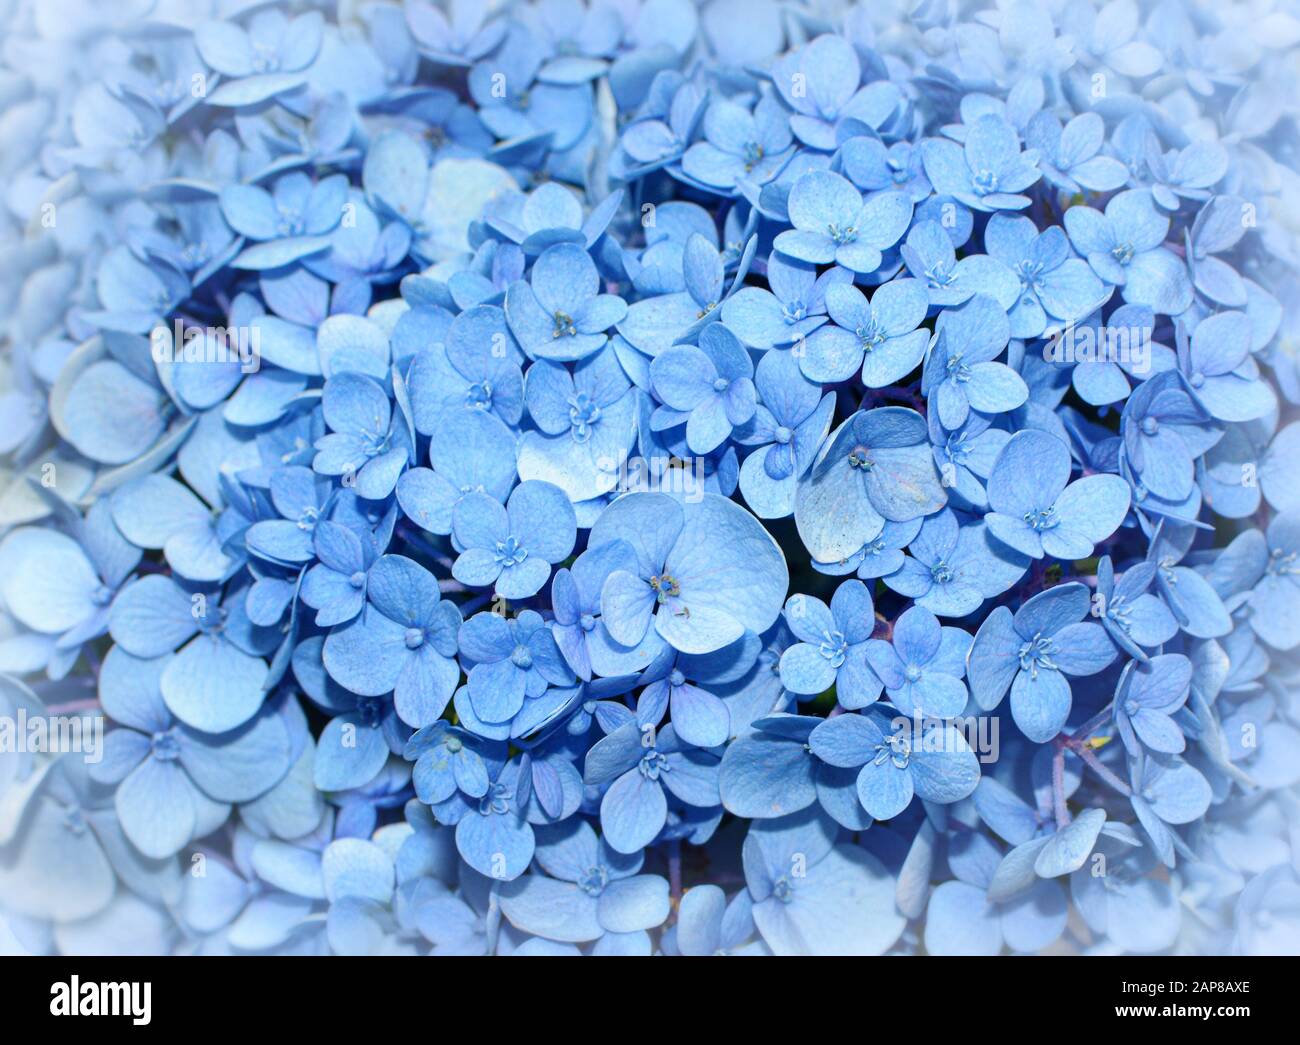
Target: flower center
x,y
985,182
847,234
1041,518
479,395
666,587
940,275
510,552
564,325
1035,654
583,415
370,710
895,748
859,457
1283,564
166,747
497,800
652,764
1030,272
833,647
1117,611
414,638
593,881
870,335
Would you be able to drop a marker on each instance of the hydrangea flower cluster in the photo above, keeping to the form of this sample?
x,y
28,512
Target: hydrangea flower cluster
x,y
631,476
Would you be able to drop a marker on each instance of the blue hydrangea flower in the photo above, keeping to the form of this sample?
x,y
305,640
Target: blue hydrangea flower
x,y
876,468
592,890
931,257
1031,652
793,910
1132,616
508,660
513,547
1147,697
879,557
216,681
832,223
1053,284
172,779
366,442
988,172
268,58
961,372
880,338
739,144
404,642
833,646
898,759
1070,156
290,222
1164,430
1124,247
710,388
706,572
635,768
1032,508
793,307
586,421
1217,363
788,427
559,313
922,665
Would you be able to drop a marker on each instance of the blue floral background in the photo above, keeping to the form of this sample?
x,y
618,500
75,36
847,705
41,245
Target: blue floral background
x,y
628,477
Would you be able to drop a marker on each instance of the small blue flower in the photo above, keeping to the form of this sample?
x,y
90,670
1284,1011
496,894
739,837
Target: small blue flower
x,y
989,172
508,660
513,547
560,314
709,388
1146,699
635,768
1031,652
832,223
1124,247
898,759
922,665
1032,508
961,372
404,642
833,648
